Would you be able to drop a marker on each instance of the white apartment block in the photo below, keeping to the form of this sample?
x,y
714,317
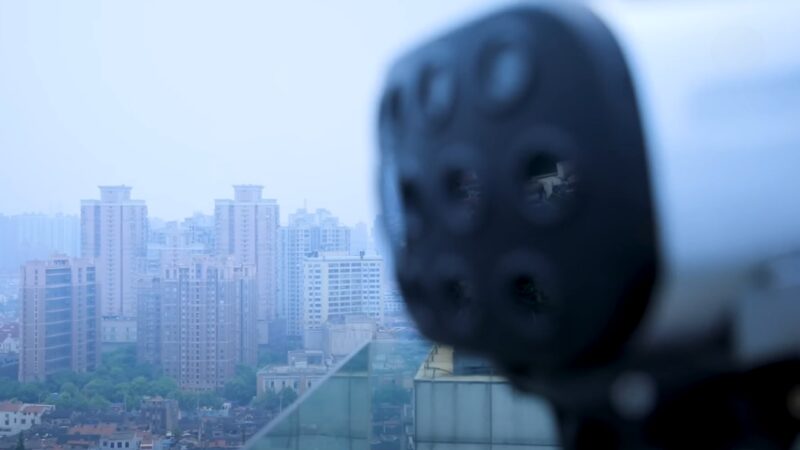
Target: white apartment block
x,y
336,285
247,229
114,235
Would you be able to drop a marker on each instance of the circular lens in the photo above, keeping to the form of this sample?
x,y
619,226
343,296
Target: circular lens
x,y
436,93
464,192
549,186
529,296
506,74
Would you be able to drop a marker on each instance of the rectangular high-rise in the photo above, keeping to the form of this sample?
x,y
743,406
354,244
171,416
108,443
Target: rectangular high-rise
x,y
247,230
305,234
340,285
59,317
197,320
114,236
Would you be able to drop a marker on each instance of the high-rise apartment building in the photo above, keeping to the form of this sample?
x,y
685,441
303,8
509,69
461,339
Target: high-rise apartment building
x,y
197,320
114,236
247,230
59,317
169,242
305,234
336,285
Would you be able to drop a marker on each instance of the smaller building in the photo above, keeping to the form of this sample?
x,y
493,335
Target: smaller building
x,y
118,330
342,335
162,414
16,417
305,368
122,439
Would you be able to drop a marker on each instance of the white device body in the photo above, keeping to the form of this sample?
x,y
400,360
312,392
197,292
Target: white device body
x,y
718,88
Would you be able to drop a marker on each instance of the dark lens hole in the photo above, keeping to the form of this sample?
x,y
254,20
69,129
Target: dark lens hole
x,y
464,190
526,293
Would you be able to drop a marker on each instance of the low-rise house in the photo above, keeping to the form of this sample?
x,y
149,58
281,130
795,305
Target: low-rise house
x,y
16,416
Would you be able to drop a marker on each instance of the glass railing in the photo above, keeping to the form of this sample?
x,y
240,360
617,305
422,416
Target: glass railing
x,y
398,395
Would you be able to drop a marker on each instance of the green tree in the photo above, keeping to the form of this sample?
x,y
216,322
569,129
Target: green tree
x,y
31,392
242,388
98,403
20,442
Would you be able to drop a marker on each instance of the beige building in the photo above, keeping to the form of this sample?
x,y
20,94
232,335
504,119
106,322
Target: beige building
x,y
59,318
247,229
198,321
304,369
114,236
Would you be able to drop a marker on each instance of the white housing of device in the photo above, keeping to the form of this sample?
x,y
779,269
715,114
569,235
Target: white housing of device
x,y
718,88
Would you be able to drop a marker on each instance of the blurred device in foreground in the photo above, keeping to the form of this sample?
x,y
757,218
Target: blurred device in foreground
x,y
604,198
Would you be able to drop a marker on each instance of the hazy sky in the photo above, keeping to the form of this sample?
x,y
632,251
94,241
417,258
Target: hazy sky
x,y
182,99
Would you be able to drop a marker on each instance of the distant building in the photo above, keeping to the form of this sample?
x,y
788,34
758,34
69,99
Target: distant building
x,y
120,330
340,336
114,235
16,417
198,321
337,285
149,321
161,414
26,237
247,229
9,337
59,317
304,369
169,243
305,234
122,440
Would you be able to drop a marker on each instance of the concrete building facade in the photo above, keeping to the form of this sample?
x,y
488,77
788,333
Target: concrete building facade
x,y
305,234
198,321
59,317
114,233
247,229
335,284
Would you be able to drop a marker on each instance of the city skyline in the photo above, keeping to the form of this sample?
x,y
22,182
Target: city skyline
x,y
285,212
143,94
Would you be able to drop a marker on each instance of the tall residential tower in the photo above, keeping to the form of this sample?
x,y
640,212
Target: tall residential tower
x,y
247,230
58,318
305,234
114,236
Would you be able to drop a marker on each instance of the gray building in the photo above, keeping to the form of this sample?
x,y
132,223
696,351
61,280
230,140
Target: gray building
x,y
198,320
305,234
247,229
114,233
59,317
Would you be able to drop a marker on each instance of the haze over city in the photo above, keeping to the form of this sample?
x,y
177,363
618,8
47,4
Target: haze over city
x,y
182,100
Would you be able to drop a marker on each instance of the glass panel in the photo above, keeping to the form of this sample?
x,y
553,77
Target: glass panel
x,y
411,395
